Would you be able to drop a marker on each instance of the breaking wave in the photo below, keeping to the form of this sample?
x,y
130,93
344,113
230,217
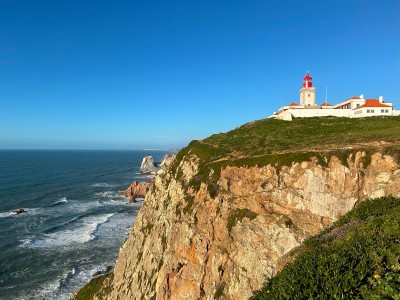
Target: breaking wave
x,y
82,233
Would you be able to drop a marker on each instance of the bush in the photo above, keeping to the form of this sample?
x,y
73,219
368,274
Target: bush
x,y
357,258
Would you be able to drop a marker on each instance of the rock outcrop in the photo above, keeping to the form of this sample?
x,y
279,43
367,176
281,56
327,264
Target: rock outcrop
x,y
136,190
167,160
221,241
148,166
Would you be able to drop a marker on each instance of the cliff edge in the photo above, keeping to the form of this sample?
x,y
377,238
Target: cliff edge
x,y
229,210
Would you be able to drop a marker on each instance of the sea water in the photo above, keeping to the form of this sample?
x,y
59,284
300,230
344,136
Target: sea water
x,y
75,219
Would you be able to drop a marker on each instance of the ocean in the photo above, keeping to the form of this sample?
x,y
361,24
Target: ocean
x,y
75,220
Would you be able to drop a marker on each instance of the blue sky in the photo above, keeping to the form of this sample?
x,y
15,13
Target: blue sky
x,y
135,74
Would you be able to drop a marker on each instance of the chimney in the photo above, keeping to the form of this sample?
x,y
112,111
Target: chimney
x,y
380,99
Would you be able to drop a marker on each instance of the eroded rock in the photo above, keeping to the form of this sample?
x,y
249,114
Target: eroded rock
x,y
187,244
148,166
136,190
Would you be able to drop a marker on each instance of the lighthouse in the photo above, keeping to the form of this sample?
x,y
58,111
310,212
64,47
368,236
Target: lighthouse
x,y
307,92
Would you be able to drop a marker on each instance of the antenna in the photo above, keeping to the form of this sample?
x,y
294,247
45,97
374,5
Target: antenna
x,y
326,94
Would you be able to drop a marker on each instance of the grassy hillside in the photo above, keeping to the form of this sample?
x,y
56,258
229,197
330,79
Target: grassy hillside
x,y
357,258
280,143
271,136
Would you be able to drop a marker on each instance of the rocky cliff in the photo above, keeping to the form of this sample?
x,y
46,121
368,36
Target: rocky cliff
x,y
217,227
188,245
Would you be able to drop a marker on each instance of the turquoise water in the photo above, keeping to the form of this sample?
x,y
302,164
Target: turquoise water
x,y
75,221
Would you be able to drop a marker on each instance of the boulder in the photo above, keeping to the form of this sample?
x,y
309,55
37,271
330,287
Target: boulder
x,y
136,190
19,211
147,166
97,273
109,269
101,272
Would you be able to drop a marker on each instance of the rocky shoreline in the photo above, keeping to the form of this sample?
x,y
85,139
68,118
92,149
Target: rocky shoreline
x,y
148,166
133,192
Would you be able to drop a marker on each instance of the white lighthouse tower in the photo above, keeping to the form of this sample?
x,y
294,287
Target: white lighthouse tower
x,y
307,93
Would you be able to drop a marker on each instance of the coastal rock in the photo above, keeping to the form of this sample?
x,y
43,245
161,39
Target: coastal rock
x,y
97,273
167,160
103,272
19,211
136,190
193,244
148,166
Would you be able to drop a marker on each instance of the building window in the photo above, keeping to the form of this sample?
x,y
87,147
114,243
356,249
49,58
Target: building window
x,y
368,111
386,110
372,111
358,105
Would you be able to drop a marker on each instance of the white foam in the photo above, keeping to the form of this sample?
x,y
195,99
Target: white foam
x,y
62,287
27,211
47,291
60,201
83,233
103,184
107,194
118,227
6,214
111,198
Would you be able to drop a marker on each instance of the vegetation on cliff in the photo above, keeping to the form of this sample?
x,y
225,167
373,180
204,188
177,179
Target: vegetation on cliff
x,y
281,143
357,258
270,136
98,287
227,213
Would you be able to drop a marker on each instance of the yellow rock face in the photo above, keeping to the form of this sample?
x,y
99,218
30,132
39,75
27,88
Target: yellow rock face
x,y
181,246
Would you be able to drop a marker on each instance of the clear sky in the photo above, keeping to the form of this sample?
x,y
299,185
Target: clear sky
x,y
80,74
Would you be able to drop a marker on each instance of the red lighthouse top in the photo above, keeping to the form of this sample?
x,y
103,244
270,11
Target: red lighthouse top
x,y
307,81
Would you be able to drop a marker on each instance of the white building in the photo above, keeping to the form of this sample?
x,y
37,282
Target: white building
x,y
355,107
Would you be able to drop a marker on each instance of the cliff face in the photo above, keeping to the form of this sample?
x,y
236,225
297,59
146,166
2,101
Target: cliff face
x,y
223,241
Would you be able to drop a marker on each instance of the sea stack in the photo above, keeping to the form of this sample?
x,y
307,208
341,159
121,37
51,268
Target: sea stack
x,y
147,166
136,190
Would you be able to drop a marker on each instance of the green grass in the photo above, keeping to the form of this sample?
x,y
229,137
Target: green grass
x,y
357,258
270,136
280,143
93,287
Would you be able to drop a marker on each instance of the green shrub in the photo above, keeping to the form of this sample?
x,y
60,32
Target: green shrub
x,y
357,258
237,215
93,287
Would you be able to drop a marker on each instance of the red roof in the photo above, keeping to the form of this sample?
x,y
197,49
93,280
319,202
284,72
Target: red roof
x,y
326,104
372,103
293,104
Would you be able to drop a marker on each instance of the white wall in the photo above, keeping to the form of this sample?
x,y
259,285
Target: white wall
x,y
308,113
